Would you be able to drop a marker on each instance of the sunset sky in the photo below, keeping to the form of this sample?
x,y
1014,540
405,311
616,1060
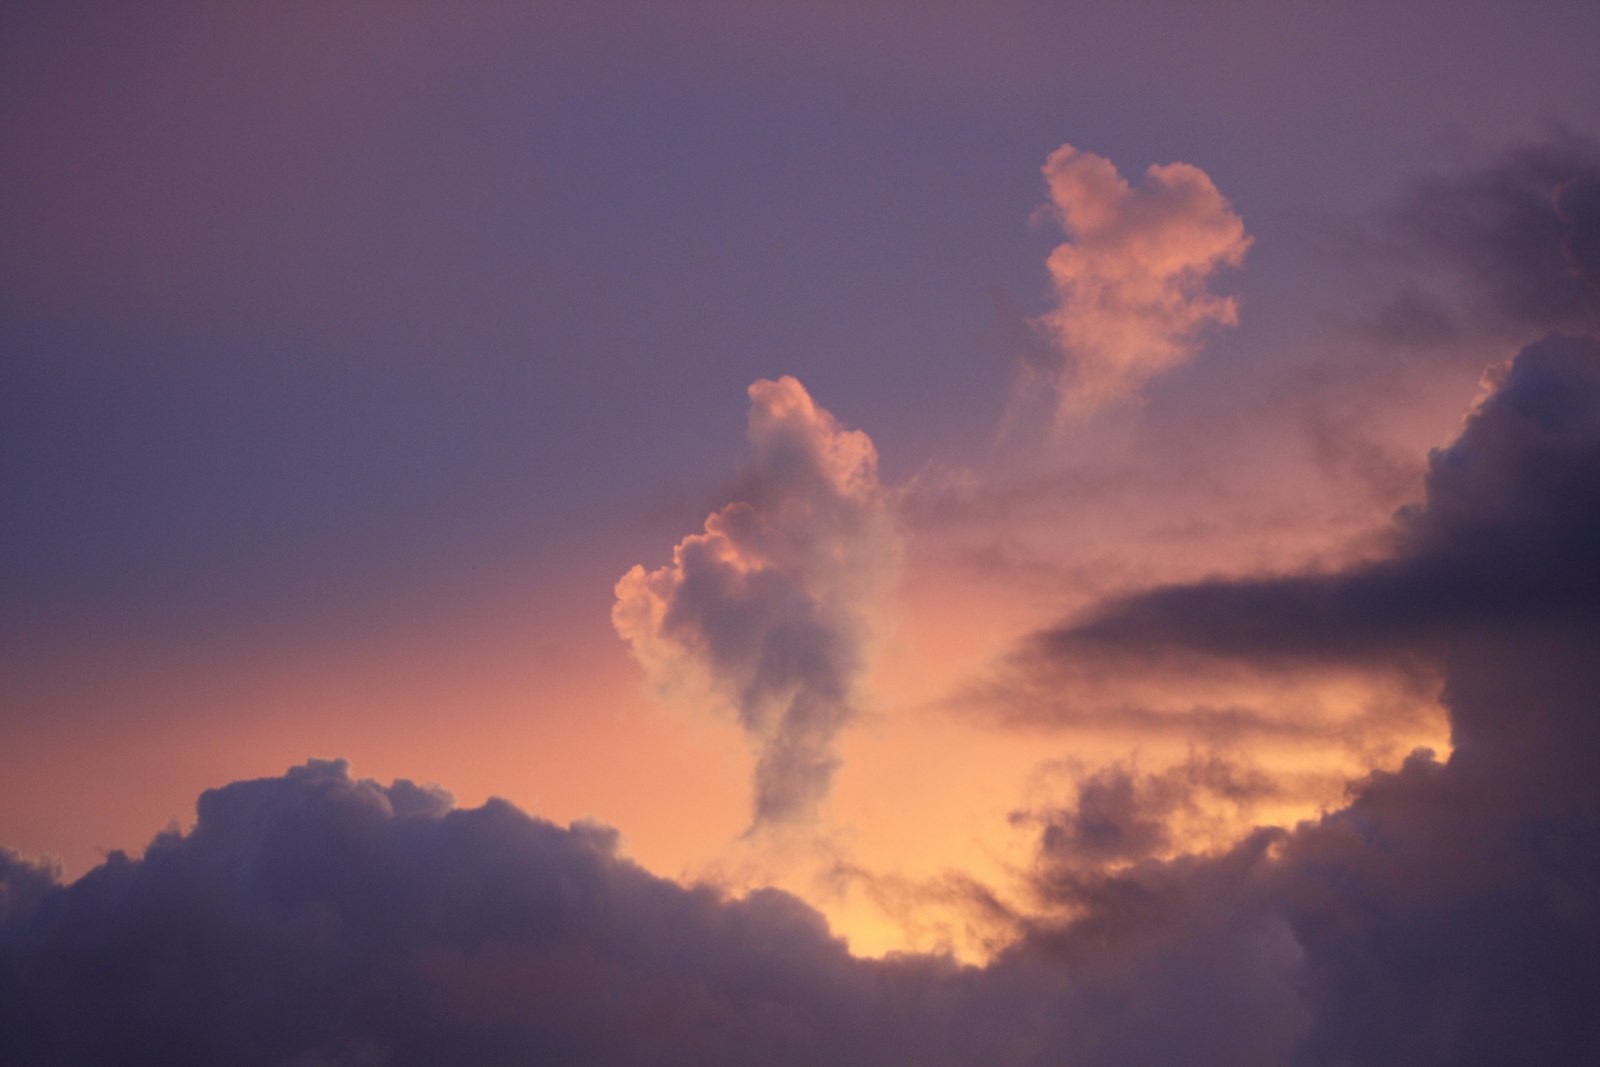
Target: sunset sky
x,y
1004,534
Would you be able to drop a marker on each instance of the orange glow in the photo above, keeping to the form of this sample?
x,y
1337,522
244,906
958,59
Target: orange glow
x,y
545,708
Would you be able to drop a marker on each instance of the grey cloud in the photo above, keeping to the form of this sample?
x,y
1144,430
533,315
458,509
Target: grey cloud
x,y
320,919
1120,815
1499,252
315,918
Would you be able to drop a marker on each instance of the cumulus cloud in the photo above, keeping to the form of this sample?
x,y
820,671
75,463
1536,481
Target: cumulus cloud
x,y
774,606
320,919
1131,280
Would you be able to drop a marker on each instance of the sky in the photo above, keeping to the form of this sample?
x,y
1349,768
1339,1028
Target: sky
x,y
853,533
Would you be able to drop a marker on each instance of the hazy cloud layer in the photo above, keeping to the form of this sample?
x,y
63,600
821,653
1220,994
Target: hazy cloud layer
x,y
774,606
1131,280
1501,249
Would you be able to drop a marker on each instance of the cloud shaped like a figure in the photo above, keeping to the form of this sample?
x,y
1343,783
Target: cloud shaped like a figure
x,y
773,607
1131,280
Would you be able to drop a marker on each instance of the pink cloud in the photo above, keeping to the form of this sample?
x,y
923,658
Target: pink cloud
x,y
1131,279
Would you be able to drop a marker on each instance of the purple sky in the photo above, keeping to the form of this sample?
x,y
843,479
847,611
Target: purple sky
x,y
350,355
304,295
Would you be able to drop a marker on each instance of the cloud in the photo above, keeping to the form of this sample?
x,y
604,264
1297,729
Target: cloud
x,y
1504,249
316,918
774,606
23,882
1501,547
1578,203
1466,263
1131,280
1447,915
1504,539
1121,815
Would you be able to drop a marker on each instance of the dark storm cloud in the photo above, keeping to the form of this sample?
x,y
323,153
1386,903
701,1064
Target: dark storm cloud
x,y
315,918
1190,697
1506,537
1448,914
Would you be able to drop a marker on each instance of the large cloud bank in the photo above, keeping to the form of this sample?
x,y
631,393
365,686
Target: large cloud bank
x,y
1131,280
317,919
1450,914
774,605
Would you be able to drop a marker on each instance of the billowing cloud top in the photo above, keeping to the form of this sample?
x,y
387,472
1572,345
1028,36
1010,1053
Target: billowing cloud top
x,y
317,919
774,605
1131,280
